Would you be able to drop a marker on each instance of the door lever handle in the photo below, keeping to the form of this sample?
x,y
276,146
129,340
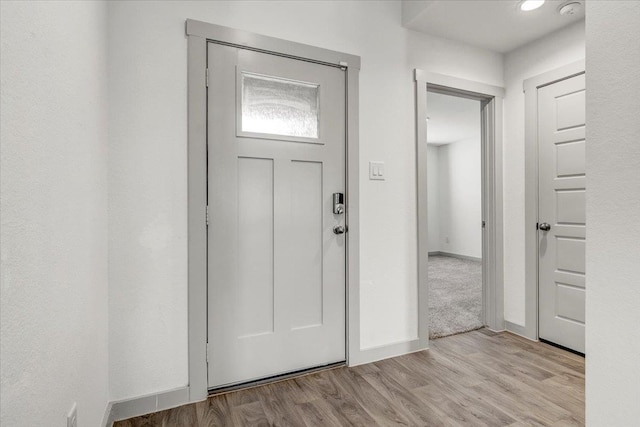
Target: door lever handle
x,y
545,226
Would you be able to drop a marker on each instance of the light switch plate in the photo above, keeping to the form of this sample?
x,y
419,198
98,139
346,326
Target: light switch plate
x,y
376,171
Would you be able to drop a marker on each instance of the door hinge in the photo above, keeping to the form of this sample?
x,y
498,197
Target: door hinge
x,y
207,353
207,78
207,215
484,224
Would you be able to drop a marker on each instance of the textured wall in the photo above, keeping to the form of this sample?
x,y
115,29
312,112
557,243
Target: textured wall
x,y
460,196
551,52
613,210
54,214
147,175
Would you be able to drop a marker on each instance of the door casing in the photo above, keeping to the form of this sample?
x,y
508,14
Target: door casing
x,y
492,247
198,35
530,87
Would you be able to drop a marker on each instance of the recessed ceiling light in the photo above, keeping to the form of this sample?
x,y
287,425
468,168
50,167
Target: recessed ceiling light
x,y
528,5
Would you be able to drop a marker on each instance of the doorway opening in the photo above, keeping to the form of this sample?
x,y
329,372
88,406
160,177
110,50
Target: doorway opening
x,y
459,203
455,200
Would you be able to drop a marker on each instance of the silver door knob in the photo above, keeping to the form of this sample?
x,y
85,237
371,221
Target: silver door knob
x,y
338,229
545,227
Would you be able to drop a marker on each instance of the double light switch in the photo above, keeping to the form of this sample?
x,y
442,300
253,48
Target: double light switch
x,y
376,171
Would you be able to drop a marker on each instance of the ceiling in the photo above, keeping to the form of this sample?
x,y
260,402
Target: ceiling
x,y
451,119
497,25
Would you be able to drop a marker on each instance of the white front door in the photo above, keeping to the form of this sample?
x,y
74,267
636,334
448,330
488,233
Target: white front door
x,y
276,255
561,233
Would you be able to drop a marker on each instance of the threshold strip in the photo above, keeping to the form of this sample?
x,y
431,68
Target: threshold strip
x,y
561,347
273,379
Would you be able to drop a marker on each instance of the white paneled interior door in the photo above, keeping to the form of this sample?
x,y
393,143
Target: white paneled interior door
x,y
276,252
562,225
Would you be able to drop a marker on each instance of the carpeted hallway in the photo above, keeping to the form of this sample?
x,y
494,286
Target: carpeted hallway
x,y
455,295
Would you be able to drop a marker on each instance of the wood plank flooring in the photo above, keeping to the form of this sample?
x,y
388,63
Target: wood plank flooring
x,y
479,378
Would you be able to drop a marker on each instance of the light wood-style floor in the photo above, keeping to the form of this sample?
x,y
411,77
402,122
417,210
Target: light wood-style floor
x,y
479,378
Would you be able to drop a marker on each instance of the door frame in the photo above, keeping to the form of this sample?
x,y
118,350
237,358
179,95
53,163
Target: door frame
x,y
530,88
491,98
198,35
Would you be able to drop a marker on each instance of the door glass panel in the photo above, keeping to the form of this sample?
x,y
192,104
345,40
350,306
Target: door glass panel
x,y
278,106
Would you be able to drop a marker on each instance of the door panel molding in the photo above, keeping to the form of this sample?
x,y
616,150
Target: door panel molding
x,y
199,34
491,98
530,87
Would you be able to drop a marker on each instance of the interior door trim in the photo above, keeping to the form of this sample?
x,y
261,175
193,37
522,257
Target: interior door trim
x,y
198,35
271,45
530,88
491,98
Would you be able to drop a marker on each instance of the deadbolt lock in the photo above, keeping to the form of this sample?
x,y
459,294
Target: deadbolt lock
x,y
338,203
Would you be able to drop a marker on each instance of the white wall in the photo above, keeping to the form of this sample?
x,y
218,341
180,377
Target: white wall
x,y
613,209
54,214
433,196
147,176
460,197
551,52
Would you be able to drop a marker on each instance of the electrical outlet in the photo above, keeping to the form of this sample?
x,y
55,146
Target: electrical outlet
x,y
72,416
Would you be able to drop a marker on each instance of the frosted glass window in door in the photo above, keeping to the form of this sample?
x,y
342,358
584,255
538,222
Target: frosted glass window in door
x,y
277,106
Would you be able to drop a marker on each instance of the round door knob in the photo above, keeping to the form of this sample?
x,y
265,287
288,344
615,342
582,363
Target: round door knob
x,y
338,229
545,227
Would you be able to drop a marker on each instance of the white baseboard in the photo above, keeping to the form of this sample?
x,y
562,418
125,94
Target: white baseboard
x,y
373,354
134,407
452,255
128,408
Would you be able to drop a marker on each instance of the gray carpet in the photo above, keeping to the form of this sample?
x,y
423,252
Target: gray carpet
x,y
455,296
